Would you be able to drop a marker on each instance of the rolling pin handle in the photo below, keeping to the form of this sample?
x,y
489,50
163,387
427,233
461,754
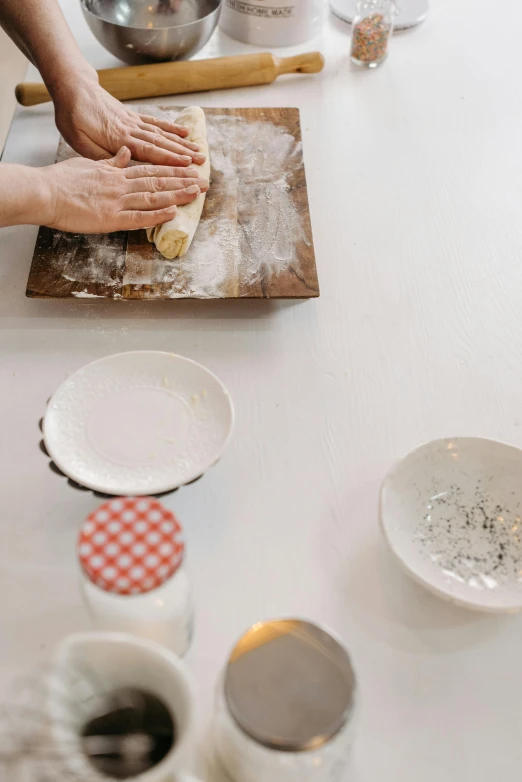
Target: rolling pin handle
x,y
31,94
311,62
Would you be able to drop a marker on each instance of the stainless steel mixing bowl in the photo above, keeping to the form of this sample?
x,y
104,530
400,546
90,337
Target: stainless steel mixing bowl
x,y
140,31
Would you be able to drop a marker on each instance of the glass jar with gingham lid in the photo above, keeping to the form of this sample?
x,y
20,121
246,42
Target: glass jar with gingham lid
x,y
131,552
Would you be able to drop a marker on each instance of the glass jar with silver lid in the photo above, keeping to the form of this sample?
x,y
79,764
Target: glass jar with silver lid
x,y
286,705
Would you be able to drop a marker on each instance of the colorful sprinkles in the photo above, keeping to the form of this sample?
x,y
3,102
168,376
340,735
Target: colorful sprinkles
x,y
370,39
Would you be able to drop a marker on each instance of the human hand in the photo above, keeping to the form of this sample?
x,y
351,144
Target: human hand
x,y
96,125
84,196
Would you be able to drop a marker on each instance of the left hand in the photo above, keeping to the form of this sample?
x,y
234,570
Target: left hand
x,y
86,196
96,125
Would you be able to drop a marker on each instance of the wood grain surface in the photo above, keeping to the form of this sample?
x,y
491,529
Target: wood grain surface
x,y
126,266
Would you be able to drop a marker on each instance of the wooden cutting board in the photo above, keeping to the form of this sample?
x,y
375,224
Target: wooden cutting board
x,y
254,239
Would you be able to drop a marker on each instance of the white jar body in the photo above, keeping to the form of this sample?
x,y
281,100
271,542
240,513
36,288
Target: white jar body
x,y
245,760
276,23
164,615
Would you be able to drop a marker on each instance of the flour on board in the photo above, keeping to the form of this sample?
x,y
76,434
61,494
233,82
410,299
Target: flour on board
x,y
84,258
248,232
253,236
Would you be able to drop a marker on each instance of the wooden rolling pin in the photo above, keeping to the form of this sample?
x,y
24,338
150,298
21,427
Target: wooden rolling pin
x,y
174,78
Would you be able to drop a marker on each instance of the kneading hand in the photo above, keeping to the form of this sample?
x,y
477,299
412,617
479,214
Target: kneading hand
x,y
96,125
84,196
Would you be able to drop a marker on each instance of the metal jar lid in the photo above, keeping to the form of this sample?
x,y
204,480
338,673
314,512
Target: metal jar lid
x,y
289,685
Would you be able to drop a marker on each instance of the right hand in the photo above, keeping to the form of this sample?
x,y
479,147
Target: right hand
x,y
86,196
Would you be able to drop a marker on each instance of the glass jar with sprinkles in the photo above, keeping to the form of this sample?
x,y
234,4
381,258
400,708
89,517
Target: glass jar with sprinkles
x,y
371,31
131,553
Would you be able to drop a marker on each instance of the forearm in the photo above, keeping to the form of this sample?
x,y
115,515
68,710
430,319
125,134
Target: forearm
x,y
38,27
24,195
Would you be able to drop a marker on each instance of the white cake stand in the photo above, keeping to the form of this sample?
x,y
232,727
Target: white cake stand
x,y
411,12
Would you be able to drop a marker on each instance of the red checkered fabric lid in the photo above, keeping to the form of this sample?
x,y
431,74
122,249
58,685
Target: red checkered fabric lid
x,y
130,545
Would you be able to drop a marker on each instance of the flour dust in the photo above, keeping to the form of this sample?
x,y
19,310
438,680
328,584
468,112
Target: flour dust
x,y
89,258
250,225
248,233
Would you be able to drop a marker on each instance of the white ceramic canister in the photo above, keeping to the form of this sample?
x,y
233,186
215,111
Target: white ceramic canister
x,y
286,705
271,22
85,669
131,553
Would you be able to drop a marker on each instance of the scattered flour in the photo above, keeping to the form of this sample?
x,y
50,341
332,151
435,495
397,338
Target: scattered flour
x,y
89,258
250,225
85,295
247,235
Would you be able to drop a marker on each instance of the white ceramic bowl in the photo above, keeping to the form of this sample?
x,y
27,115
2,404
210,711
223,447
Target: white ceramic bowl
x,y
137,423
451,513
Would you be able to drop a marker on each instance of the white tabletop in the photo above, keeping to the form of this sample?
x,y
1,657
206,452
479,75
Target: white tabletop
x,y
414,175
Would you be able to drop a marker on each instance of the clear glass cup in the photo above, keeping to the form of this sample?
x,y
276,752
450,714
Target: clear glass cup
x,y
371,32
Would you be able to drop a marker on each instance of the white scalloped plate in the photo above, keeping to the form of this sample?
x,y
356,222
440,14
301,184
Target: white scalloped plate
x,y
138,423
451,513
